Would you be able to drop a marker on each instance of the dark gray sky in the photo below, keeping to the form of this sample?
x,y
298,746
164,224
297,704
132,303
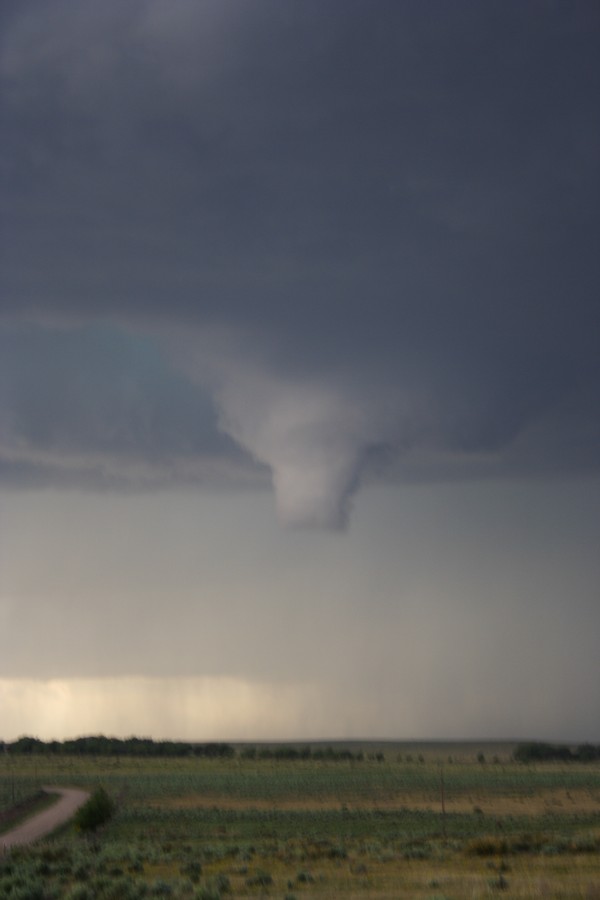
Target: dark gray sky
x,y
335,253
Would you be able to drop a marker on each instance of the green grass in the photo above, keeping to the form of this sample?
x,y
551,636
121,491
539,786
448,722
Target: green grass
x,y
314,829
273,780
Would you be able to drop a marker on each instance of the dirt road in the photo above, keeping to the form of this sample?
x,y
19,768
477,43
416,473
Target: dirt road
x,y
46,821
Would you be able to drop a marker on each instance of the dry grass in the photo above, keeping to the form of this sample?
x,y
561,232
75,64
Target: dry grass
x,y
575,801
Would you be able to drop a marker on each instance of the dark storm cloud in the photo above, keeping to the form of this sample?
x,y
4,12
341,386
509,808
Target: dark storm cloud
x,y
370,231
95,406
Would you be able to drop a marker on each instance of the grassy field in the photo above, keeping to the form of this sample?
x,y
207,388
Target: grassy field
x,y
418,821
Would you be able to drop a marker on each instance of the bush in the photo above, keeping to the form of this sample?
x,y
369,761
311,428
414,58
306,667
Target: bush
x,y
193,870
95,812
80,892
487,845
261,879
30,890
304,878
208,892
222,883
161,888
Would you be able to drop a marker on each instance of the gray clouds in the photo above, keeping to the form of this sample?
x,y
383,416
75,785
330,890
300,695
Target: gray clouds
x,y
97,407
364,237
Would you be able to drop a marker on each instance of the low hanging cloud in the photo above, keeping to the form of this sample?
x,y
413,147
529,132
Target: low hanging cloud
x,y
249,238
312,439
95,407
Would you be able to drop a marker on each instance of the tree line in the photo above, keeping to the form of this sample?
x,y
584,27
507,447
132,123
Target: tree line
x,y
538,751
289,752
99,745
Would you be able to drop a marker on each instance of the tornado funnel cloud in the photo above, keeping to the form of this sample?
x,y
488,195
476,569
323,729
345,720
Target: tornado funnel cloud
x,y
317,494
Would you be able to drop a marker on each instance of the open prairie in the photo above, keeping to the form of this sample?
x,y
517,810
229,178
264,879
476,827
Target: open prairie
x,y
419,821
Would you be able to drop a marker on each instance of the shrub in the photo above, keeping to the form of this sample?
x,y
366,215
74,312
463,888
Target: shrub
x,y
80,892
208,892
222,883
95,812
261,879
161,888
29,890
304,878
193,870
486,846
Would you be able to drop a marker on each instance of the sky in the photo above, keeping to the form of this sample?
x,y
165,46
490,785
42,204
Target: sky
x,y
300,369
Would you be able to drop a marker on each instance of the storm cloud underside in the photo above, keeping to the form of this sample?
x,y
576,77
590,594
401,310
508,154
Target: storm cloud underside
x,y
336,245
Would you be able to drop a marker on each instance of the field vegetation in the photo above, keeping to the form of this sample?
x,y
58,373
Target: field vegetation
x,y
370,820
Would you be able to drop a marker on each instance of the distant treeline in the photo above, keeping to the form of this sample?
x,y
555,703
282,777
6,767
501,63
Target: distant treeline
x,y
107,746
537,751
99,745
286,751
